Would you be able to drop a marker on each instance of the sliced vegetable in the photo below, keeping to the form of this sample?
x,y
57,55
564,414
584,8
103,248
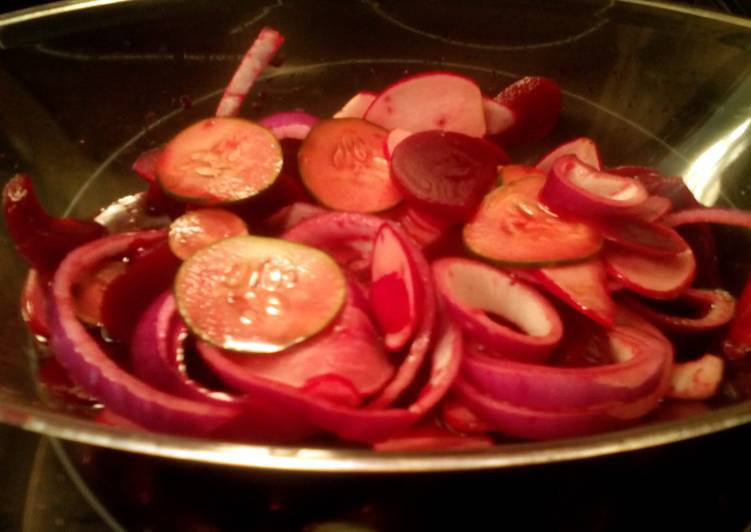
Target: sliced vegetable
x,y
145,164
431,100
534,104
393,139
90,287
512,228
577,188
511,317
734,217
289,125
258,295
432,438
444,173
41,239
697,379
648,238
199,228
583,148
357,106
342,157
35,304
515,172
219,160
737,342
655,277
394,288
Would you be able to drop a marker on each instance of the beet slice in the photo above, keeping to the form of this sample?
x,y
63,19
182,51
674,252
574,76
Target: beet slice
x,y
444,173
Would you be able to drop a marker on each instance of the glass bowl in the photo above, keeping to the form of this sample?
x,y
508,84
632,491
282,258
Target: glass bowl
x,y
86,86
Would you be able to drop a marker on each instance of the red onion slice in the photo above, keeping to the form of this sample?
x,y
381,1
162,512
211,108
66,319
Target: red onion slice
x,y
648,238
715,308
583,148
289,125
713,215
432,438
473,291
578,188
91,368
653,208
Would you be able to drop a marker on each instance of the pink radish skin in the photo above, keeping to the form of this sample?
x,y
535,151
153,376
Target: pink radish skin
x,y
472,290
698,379
642,359
576,188
716,308
393,289
653,277
90,367
535,105
432,100
393,140
289,125
256,59
356,106
583,148
581,286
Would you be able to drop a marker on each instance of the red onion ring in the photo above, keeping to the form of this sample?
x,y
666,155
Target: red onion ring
x,y
289,125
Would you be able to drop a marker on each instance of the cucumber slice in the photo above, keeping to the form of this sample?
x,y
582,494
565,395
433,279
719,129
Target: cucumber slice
x,y
343,165
512,228
219,160
258,295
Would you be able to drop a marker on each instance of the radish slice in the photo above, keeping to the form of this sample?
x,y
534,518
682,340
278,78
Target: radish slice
x,y
393,289
498,117
199,228
581,286
258,295
654,277
534,104
714,308
349,349
289,125
575,187
291,215
145,164
356,106
392,141
583,148
445,173
256,59
219,160
474,292
648,238
641,361
341,156
89,366
433,100
697,379
512,228
712,215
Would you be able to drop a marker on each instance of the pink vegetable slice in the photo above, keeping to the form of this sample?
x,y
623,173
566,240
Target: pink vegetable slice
x,y
712,309
583,148
581,286
259,295
340,158
35,303
534,104
498,117
476,293
219,160
290,124
357,106
653,208
348,349
90,367
444,173
257,58
432,438
648,238
289,216
394,138
394,288
199,228
431,100
654,277
697,379
578,188
715,215
145,164
512,228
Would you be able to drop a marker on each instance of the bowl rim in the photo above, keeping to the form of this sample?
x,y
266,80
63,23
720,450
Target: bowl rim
x,y
358,461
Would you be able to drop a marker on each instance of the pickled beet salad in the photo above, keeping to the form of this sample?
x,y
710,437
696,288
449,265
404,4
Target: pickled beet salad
x,y
387,276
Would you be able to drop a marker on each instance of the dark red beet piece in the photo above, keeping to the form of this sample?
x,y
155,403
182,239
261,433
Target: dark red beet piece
x,y
150,273
41,239
443,172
